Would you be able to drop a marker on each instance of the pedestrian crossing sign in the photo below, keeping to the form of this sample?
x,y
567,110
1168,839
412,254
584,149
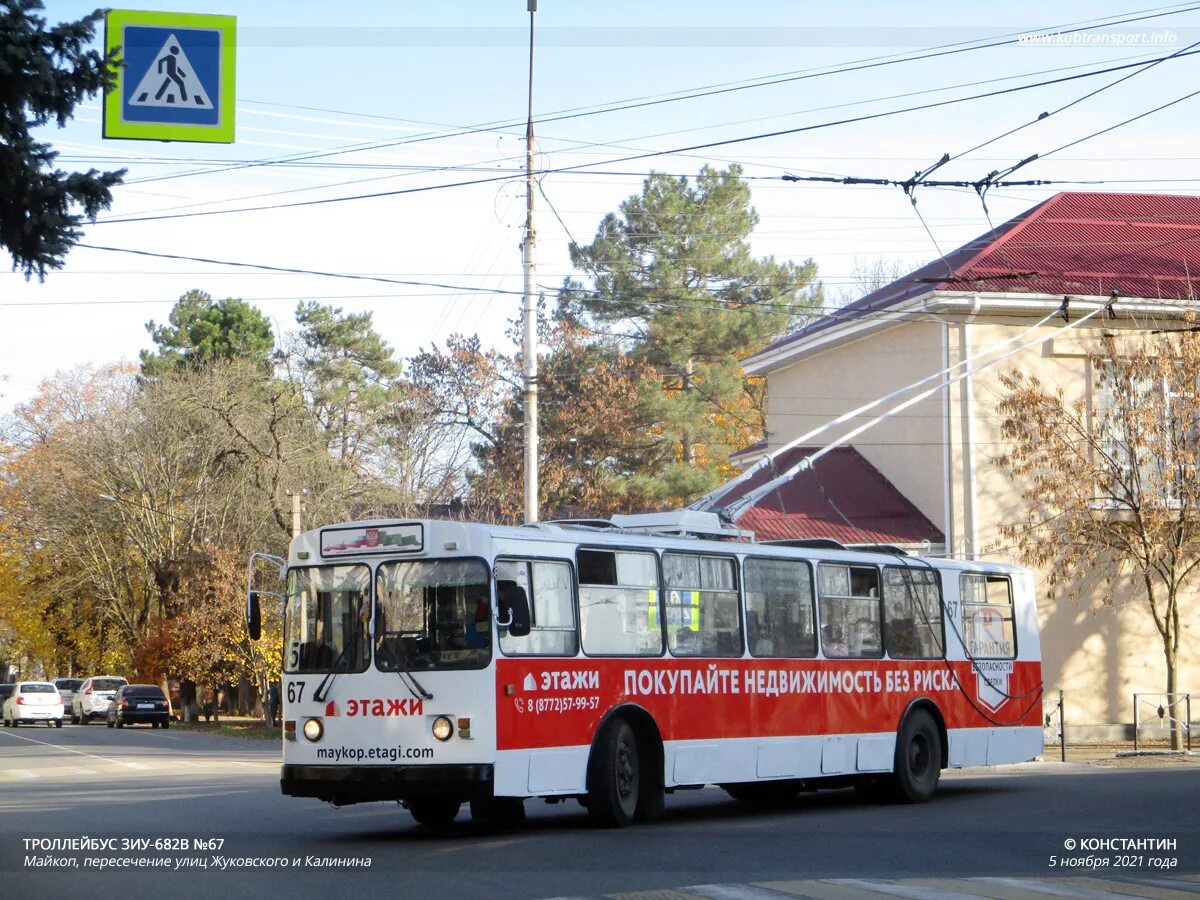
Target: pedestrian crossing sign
x,y
176,76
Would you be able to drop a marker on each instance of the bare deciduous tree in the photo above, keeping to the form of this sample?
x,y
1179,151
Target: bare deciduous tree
x,y
1112,485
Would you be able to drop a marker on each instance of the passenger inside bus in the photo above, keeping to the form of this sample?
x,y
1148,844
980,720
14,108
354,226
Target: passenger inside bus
x,y
832,641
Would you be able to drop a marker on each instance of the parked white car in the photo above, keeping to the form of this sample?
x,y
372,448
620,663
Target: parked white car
x,y
93,698
32,702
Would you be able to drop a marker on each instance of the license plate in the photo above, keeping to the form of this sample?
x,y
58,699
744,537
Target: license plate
x,y
145,706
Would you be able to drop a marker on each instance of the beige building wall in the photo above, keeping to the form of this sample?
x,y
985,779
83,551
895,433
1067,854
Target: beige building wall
x,y
907,448
1104,647
1099,650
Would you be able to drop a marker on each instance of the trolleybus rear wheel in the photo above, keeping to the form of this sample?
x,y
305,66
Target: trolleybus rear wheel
x,y
918,763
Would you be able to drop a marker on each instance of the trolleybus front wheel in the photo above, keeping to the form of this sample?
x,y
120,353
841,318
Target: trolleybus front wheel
x,y
434,812
614,776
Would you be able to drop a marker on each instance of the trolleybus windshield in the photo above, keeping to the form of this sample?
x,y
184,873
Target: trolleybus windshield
x,y
325,619
433,615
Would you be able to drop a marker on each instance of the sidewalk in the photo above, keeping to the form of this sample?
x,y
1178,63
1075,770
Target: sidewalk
x,y
1106,755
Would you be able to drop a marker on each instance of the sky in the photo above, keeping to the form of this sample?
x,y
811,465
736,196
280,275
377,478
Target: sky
x,y
445,87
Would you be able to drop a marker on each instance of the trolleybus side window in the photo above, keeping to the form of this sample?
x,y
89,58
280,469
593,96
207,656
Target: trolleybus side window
x,y
912,601
548,585
618,603
850,621
433,614
779,608
701,605
987,606
325,619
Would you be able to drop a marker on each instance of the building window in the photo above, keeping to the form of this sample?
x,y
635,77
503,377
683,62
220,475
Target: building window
x,y
1147,430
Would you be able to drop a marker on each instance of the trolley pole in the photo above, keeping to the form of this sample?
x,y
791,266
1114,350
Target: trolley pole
x,y
529,351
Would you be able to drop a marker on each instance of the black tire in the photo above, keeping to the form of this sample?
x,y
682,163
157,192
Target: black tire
x,y
74,719
154,725
919,755
58,723
166,724
498,812
120,724
434,812
109,724
614,776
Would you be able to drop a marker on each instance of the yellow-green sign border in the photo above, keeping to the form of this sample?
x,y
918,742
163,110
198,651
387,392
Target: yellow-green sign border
x,y
221,133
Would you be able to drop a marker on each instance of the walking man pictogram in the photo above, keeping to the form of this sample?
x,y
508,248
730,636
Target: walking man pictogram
x,y
173,73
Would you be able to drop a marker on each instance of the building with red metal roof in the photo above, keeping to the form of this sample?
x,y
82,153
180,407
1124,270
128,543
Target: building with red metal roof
x,y
929,473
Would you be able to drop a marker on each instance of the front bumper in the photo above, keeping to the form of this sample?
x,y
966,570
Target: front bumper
x,y
343,785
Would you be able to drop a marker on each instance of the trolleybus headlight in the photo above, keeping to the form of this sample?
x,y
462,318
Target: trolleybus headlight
x,y
313,729
443,728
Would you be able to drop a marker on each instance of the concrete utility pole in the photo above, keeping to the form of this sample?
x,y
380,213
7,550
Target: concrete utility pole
x,y
296,528
529,352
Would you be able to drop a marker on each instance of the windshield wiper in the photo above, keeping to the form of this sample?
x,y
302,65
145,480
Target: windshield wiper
x,y
410,681
322,690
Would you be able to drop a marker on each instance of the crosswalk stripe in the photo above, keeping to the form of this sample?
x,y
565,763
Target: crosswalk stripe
x,y
899,889
818,890
1056,889
731,892
1133,889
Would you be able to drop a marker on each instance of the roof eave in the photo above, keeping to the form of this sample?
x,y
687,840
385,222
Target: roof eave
x,y
971,303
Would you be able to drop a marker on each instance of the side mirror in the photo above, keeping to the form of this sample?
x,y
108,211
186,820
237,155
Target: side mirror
x,y
514,608
253,616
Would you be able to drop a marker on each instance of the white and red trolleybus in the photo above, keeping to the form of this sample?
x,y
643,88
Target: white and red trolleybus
x,y
438,663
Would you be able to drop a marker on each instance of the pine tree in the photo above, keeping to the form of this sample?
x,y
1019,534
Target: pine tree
x,y
675,286
45,73
201,331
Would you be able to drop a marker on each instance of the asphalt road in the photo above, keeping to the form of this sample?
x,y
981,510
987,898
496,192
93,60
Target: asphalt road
x,y
986,834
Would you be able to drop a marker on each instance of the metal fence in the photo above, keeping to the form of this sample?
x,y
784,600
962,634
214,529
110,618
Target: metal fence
x,y
1164,712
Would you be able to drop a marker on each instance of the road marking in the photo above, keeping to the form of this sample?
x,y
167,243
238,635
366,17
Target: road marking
x,y
921,888
1136,890
83,770
1054,890
23,773
22,737
731,892
897,889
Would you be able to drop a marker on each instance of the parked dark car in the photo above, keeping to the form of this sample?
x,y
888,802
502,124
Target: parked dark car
x,y
5,692
139,703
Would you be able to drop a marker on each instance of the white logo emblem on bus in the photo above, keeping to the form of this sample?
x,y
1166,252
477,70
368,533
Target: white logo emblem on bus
x,y
991,683
530,683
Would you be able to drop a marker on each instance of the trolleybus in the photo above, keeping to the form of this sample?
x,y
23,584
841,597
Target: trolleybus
x,y
615,662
